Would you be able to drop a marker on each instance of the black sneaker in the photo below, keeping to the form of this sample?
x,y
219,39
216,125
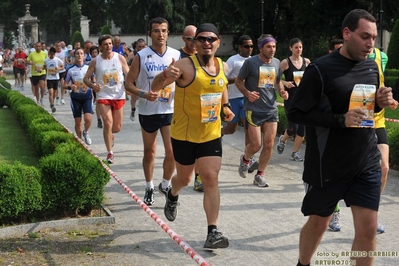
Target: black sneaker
x,y
99,123
170,209
216,239
149,197
163,191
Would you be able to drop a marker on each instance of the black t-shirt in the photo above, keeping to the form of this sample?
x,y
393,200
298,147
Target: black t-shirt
x,y
334,153
289,76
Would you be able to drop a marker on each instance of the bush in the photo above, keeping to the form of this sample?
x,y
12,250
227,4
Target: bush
x,y
72,181
105,30
5,84
39,127
283,122
77,37
393,136
20,191
390,81
52,139
393,51
392,72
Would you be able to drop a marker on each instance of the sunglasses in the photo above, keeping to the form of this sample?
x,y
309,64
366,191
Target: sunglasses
x,y
248,46
204,39
189,38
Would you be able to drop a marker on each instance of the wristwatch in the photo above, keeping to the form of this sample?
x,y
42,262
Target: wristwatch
x,y
228,105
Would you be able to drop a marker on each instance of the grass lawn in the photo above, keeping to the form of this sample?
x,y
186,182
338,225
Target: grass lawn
x,y
14,141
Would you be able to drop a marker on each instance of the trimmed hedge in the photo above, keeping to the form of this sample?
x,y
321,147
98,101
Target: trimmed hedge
x,y
69,179
72,181
20,190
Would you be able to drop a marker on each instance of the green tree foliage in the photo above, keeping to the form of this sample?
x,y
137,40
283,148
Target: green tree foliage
x,y
313,21
75,17
105,30
77,37
393,48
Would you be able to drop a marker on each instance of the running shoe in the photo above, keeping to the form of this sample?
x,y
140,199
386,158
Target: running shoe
x,y
99,123
41,102
170,209
243,167
198,183
163,191
110,158
53,109
216,239
62,101
149,197
253,165
335,224
380,228
280,145
296,156
86,137
260,181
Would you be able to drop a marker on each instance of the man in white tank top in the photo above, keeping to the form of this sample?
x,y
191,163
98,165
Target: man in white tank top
x,y
155,109
110,69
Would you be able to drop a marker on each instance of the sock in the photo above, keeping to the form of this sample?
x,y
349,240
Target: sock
x,y
259,172
165,183
99,120
171,197
211,227
299,264
110,152
51,105
337,208
150,184
133,109
245,160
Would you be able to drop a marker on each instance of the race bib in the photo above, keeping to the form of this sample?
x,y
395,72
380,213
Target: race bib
x,y
165,94
297,77
81,87
363,96
267,77
110,77
210,107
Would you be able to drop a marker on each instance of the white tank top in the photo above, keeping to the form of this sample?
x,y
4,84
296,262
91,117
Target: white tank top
x,y
152,64
109,75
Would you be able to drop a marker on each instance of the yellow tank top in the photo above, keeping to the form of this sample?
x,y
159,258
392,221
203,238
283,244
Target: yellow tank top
x,y
196,116
379,118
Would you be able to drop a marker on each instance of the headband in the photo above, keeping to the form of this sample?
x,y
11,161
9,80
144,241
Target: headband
x,y
207,27
266,40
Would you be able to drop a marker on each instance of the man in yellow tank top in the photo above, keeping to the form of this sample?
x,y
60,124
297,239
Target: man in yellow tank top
x,y
201,91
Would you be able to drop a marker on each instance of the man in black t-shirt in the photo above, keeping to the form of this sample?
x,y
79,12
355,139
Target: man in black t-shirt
x,y
336,100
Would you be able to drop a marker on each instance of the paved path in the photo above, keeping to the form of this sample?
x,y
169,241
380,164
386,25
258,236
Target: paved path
x,y
263,224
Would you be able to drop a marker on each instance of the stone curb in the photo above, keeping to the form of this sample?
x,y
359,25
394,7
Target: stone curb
x,y
20,230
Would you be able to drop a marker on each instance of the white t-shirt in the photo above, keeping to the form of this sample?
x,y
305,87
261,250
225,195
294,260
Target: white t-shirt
x,y
51,64
151,64
61,55
109,75
235,63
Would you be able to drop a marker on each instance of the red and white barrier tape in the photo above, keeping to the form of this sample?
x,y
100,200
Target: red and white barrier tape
x,y
172,234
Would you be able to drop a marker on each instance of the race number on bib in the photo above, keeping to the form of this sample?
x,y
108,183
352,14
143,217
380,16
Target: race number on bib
x,y
363,96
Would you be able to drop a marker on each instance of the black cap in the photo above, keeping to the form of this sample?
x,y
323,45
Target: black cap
x,y
207,27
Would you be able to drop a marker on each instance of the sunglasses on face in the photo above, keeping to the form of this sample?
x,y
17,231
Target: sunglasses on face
x,y
248,46
189,38
204,39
